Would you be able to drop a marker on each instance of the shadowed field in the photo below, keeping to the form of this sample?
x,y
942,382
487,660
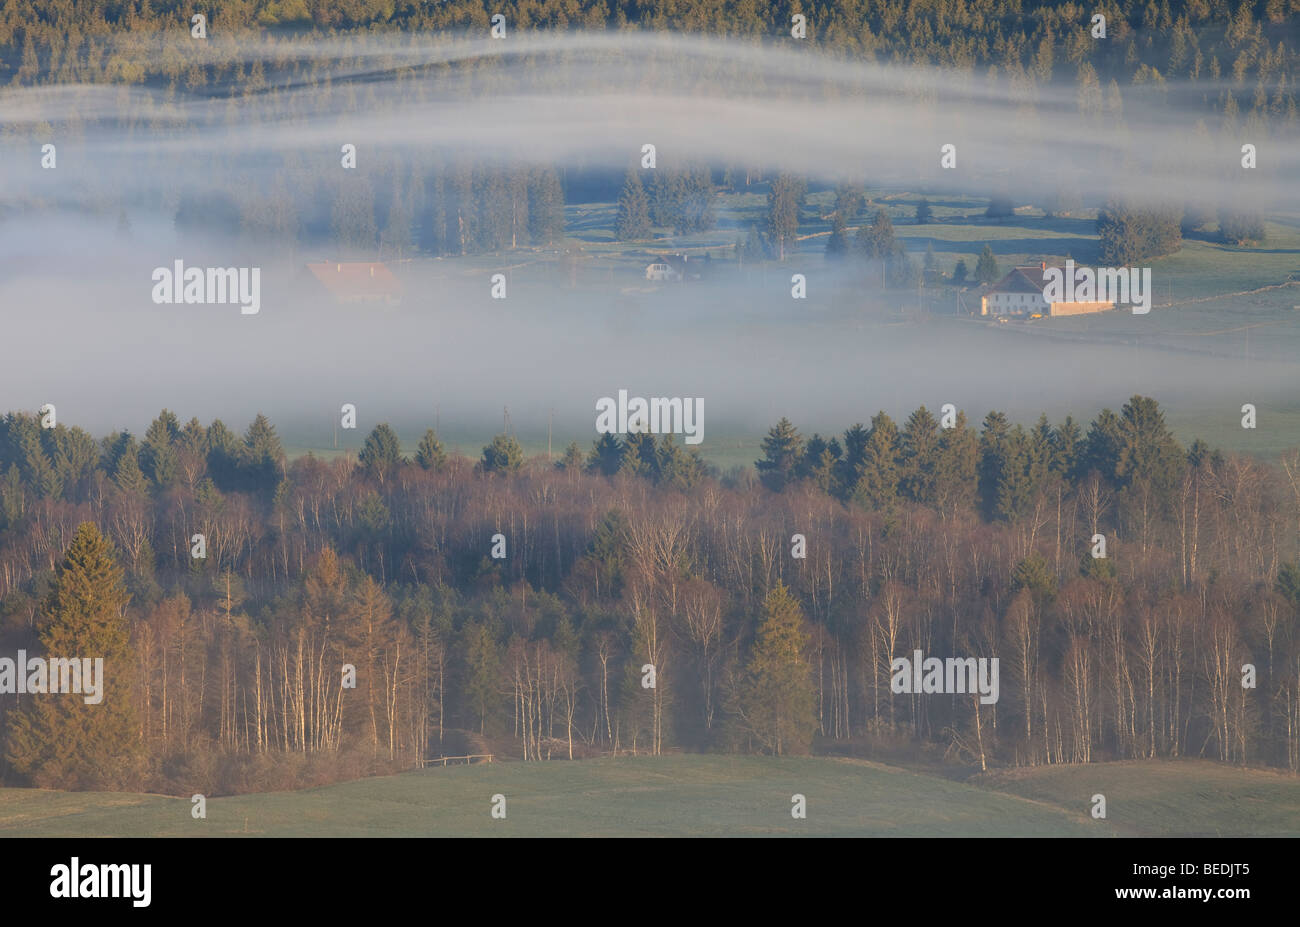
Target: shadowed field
x,y
701,796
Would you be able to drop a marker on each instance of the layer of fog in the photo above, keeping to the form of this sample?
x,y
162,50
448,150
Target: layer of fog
x,y
90,341
81,331
596,99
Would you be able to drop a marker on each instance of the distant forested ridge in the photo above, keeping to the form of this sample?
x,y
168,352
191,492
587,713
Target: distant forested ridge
x,y
1232,67
956,541
1250,43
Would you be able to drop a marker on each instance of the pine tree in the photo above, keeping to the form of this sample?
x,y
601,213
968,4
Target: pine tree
x,y
224,453
957,469
923,212
920,443
572,461
785,200
1015,482
851,463
263,456
633,221
430,455
698,205
668,198
545,207
606,456
678,467
992,442
782,456
1148,451
986,270
1102,446
158,455
877,486
37,468
639,455
1067,443
479,671
776,699
57,740
127,475
496,214
381,453
503,455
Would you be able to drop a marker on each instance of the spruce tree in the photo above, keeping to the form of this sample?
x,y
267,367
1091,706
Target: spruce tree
x,y
776,699
785,200
993,437
572,461
1102,446
263,456
57,740
430,455
606,455
920,443
986,270
956,475
782,456
633,221
545,207
128,476
877,485
668,198
1015,482
640,456
503,455
381,453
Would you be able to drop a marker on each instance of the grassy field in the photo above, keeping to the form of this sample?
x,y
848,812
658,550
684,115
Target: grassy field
x,y
1181,798
702,796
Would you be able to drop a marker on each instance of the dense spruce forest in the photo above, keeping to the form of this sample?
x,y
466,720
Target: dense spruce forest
x,y
513,606
66,41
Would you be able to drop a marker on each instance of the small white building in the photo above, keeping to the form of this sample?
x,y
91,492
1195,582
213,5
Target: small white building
x,y
1022,293
660,271
1018,293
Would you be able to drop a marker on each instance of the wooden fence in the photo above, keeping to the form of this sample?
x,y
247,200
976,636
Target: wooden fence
x,y
444,760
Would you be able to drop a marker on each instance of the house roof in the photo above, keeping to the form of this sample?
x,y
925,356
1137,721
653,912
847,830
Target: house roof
x,y
1026,279
357,281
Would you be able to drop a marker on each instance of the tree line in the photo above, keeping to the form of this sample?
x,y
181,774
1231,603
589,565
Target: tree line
x,y
521,607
